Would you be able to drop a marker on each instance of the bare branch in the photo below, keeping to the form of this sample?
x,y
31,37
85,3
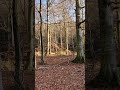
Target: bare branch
x,y
81,22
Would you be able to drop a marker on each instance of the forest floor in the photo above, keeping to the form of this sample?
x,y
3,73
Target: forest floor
x,y
59,73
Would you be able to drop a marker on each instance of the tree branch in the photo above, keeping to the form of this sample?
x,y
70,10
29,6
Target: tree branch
x,y
81,22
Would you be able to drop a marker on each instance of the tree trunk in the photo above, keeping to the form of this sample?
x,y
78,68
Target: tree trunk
x,y
50,41
18,84
12,30
34,57
48,35
80,46
117,26
108,60
42,61
11,23
73,47
35,60
117,19
1,85
55,41
55,35
30,28
67,40
61,41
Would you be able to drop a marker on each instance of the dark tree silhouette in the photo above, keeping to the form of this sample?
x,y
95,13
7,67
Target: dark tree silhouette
x,y
18,84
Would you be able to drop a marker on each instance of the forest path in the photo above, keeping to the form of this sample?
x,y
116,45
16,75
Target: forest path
x,y
60,74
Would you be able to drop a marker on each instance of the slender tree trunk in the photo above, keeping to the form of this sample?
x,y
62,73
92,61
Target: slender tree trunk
x,y
73,44
108,60
11,24
55,36
35,61
118,26
1,85
12,30
61,42
67,40
50,42
18,84
48,36
55,41
34,34
80,46
41,39
65,29
30,27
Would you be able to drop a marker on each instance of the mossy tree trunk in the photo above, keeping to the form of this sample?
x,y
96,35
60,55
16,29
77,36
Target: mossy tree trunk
x,y
80,46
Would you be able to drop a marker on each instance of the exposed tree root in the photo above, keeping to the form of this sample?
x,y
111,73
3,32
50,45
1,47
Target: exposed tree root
x,y
78,60
30,68
42,63
101,82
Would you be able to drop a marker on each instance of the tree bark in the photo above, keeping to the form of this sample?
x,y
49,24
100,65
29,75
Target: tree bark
x,y
18,84
80,46
30,27
42,61
61,41
67,40
50,41
48,32
1,85
55,41
108,60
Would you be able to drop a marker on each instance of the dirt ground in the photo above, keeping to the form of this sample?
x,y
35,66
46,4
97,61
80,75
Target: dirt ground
x,y
59,74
